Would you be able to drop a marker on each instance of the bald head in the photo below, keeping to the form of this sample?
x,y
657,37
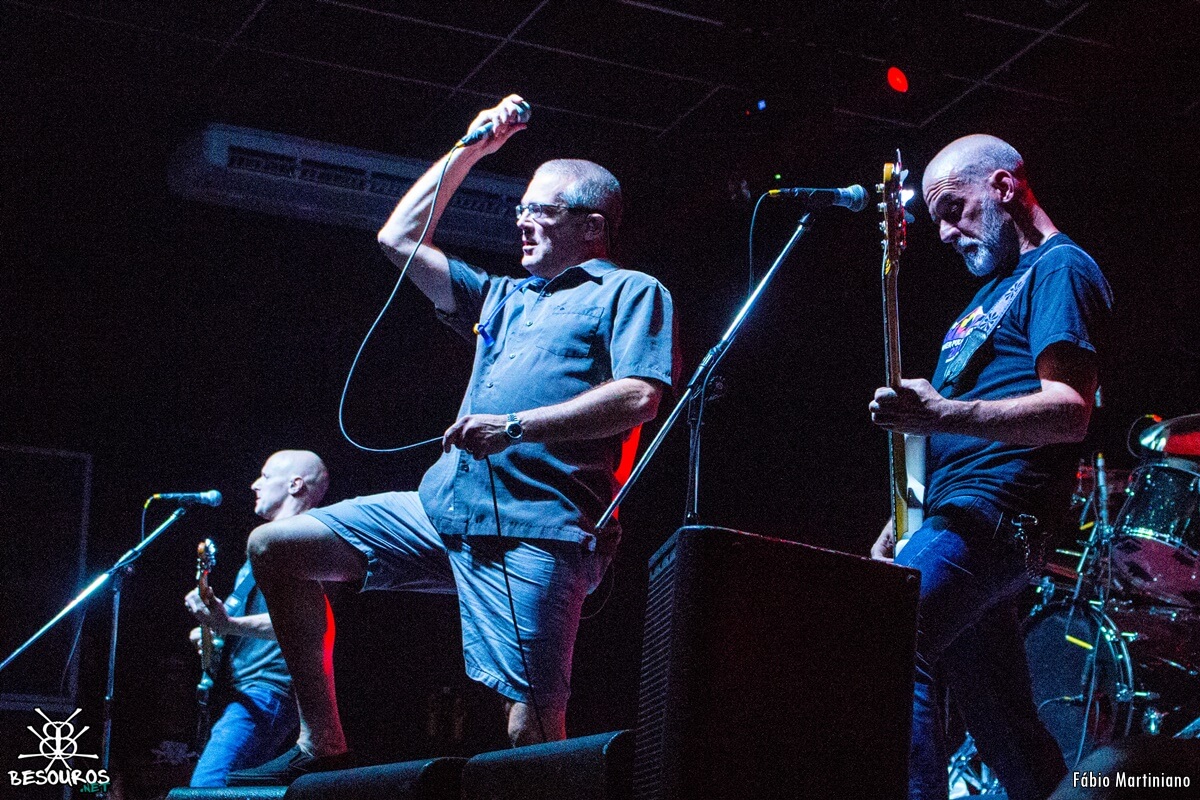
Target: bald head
x,y
292,482
974,158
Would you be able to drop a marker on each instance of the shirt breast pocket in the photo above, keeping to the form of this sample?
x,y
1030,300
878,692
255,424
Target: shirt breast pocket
x,y
570,332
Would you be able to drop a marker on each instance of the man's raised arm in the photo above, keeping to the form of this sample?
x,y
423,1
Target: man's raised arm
x,y
430,270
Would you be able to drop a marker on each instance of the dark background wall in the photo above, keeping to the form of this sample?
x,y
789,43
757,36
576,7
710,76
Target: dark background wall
x,y
181,344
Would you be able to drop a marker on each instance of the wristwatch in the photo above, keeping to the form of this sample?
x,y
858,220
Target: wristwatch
x,y
513,428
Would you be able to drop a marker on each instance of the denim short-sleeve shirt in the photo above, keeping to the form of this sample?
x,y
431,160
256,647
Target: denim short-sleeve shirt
x,y
547,342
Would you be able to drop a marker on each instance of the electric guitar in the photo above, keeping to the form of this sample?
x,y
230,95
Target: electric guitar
x,y
906,453
210,644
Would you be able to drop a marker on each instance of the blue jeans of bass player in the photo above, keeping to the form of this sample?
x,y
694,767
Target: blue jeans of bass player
x,y
253,729
969,641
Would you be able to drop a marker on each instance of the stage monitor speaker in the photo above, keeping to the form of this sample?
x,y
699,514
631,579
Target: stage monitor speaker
x,y
771,669
1133,769
427,779
588,768
229,793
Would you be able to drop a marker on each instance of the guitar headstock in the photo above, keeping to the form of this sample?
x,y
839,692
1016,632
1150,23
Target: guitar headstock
x,y
206,560
895,220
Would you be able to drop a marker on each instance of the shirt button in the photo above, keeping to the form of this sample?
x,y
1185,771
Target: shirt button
x,y
489,384
512,355
528,322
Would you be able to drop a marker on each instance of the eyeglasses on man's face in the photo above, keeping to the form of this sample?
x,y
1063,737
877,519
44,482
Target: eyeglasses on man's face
x,y
548,210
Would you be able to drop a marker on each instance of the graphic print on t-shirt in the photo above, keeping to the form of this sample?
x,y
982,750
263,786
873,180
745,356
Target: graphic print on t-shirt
x,y
957,336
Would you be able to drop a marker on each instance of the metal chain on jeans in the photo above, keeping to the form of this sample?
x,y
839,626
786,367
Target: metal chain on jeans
x,y
1032,540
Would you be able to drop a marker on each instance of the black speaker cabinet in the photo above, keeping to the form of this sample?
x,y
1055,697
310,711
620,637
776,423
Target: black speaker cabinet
x,y
588,768
771,669
429,779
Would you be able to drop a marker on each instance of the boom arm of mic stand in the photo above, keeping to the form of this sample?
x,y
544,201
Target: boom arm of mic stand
x,y
707,365
103,578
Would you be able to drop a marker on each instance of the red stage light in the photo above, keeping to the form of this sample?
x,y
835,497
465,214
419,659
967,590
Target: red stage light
x,y
897,79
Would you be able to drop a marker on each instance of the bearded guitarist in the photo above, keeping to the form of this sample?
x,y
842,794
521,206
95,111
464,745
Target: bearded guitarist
x,y
259,717
1011,393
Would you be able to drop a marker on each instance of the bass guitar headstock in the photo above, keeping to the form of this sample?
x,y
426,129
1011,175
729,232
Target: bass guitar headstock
x,y
895,220
206,561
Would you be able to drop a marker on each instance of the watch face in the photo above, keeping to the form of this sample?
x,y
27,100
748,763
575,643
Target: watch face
x,y
513,429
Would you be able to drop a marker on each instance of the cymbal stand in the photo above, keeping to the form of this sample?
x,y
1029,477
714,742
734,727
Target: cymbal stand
x,y
1095,569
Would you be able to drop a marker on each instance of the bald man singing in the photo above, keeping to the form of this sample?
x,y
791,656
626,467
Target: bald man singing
x,y
260,715
1011,393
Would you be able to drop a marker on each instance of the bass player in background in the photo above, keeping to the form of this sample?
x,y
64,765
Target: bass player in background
x,y
260,716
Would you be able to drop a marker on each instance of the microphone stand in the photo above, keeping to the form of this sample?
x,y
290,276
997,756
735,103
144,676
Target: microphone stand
x,y
693,397
117,572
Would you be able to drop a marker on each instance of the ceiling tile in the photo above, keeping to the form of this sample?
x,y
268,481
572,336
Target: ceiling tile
x,y
324,32
585,87
495,17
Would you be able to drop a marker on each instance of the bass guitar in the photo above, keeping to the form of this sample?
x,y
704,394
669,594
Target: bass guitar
x,y
906,453
210,644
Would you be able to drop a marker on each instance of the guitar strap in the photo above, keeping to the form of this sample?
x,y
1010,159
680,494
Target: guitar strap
x,y
979,333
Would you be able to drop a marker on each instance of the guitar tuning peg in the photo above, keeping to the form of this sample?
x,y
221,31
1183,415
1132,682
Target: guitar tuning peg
x,y
882,206
879,188
883,227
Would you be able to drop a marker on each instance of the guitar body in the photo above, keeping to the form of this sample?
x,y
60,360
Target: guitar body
x,y
906,453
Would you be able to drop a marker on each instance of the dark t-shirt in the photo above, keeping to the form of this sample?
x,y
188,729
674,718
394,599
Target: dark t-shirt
x,y
249,659
1065,299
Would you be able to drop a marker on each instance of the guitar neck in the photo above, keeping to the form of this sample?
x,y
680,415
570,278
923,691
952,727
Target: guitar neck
x,y
893,244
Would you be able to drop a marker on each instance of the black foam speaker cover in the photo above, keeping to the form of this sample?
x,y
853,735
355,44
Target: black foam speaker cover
x,y
771,669
427,779
587,768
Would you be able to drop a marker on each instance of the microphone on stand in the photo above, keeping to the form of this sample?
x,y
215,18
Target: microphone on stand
x,y
485,130
210,498
852,197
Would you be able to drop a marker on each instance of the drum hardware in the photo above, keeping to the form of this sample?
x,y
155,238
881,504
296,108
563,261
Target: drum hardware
x,y
1152,721
1114,643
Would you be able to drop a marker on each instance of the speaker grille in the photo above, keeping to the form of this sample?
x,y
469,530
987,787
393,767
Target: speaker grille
x,y
656,663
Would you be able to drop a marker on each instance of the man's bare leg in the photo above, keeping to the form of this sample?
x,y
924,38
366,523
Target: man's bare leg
x,y
523,725
290,558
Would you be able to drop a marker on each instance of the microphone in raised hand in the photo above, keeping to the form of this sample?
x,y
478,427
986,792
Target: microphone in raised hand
x,y
518,113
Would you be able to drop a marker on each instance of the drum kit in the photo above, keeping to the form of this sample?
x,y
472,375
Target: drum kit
x,y
1113,635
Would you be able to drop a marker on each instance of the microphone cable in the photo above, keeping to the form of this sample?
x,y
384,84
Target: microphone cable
x,y
750,238
512,606
437,189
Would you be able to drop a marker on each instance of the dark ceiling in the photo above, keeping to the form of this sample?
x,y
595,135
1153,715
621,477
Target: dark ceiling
x,y
631,78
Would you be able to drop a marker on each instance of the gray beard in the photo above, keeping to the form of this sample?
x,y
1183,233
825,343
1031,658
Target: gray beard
x,y
997,247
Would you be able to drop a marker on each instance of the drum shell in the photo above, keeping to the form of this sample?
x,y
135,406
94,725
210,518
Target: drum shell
x,y
1157,534
1062,642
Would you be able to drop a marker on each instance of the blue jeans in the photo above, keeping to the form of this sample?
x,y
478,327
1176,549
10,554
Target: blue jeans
x,y
970,642
253,729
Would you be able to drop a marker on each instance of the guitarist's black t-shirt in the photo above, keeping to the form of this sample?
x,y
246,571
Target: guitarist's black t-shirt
x,y
248,659
1066,299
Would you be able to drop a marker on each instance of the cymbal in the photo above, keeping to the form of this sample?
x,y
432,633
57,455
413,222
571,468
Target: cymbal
x,y
1173,437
